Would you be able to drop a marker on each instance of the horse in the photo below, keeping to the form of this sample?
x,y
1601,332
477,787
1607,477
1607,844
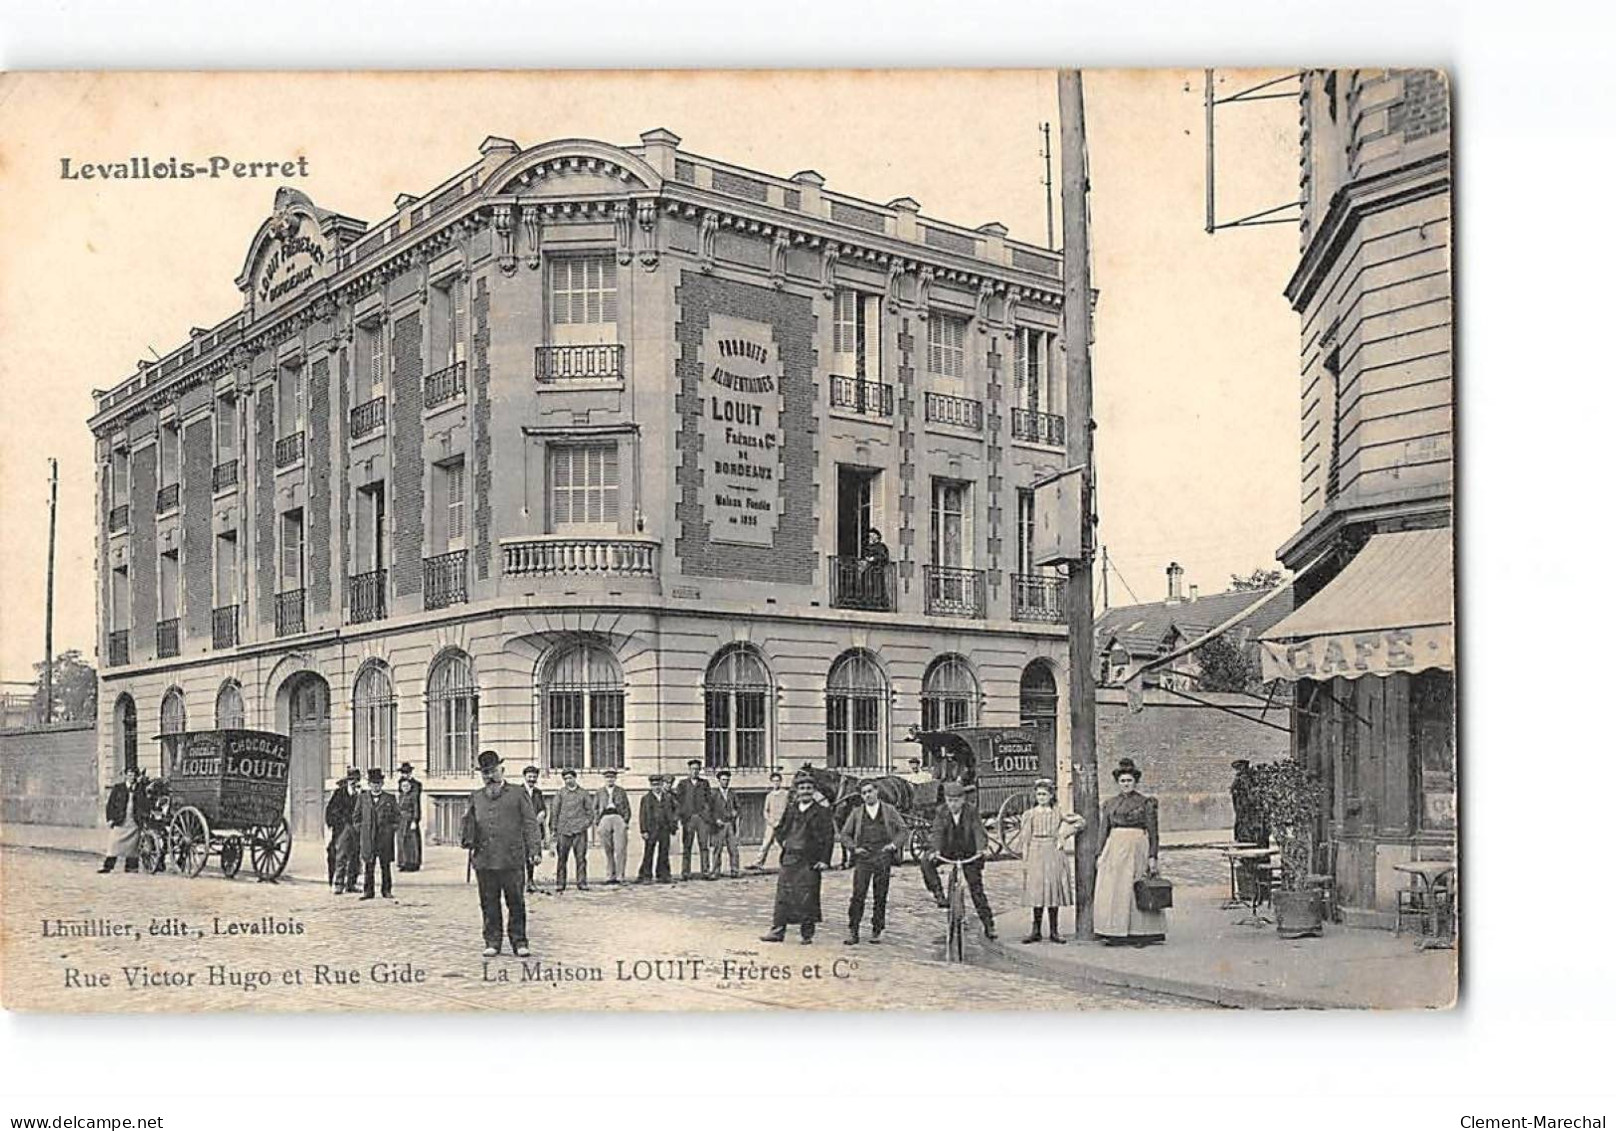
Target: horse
x,y
841,789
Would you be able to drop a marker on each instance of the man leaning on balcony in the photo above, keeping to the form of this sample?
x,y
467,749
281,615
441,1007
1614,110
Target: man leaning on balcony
x,y
874,559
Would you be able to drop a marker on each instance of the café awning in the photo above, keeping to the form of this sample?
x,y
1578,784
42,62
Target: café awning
x,y
1390,610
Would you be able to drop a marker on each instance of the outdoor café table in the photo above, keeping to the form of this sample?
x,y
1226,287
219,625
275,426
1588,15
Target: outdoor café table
x,y
1228,848
1251,857
1432,877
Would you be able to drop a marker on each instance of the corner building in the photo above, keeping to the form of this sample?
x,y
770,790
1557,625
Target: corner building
x,y
573,456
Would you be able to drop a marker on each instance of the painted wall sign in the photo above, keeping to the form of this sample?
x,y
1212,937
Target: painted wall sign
x,y
741,437
294,257
1355,654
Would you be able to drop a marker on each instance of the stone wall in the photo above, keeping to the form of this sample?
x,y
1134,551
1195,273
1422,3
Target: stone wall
x,y
48,776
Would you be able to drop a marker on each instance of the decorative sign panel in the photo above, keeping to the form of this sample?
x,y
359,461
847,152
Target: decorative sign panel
x,y
741,437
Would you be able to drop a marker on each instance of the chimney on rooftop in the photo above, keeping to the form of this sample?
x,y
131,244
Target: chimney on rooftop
x,y
1175,582
1195,591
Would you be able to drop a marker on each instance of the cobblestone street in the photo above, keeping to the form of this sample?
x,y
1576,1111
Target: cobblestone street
x,y
212,943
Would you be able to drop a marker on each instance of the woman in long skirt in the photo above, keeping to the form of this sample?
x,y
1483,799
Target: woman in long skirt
x,y
1046,870
409,820
1129,841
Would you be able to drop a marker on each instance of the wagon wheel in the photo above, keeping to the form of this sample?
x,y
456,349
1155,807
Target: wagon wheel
x,y
271,849
1005,838
919,841
230,856
150,851
188,841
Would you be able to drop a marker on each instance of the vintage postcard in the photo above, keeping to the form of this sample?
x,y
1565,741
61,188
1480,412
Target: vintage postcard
x,y
713,541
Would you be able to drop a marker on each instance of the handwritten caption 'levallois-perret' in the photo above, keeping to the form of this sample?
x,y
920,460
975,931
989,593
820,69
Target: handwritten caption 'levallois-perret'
x,y
215,167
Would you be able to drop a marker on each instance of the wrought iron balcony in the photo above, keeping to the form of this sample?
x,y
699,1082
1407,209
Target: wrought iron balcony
x,y
959,412
289,613
856,583
954,592
579,363
118,518
225,622
445,579
118,648
288,450
856,394
168,498
225,474
1038,427
168,638
367,596
562,556
367,418
1035,597
446,384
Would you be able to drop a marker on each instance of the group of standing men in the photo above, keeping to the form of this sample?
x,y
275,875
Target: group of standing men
x,y
370,826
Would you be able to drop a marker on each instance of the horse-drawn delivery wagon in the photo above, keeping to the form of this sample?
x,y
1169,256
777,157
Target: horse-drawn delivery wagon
x,y
227,795
998,767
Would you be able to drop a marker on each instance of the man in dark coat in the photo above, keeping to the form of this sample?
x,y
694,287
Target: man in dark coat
x,y
571,819
376,818
342,854
124,811
806,834
659,816
1250,822
725,818
409,820
502,833
957,834
535,798
872,832
694,796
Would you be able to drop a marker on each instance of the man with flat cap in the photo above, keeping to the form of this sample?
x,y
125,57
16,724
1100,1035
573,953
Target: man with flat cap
x,y
659,816
573,818
409,820
342,853
725,818
535,798
376,819
694,796
502,833
806,834
611,820
957,834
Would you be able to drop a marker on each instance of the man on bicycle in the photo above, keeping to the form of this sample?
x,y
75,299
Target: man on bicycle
x,y
957,836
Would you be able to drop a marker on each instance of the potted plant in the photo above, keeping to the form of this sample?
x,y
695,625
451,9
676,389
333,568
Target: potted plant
x,y
1293,799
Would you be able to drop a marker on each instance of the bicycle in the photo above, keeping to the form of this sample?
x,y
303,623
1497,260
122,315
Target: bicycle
x,y
954,951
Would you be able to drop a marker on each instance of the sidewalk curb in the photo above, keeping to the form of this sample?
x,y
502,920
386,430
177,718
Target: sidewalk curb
x,y
1226,997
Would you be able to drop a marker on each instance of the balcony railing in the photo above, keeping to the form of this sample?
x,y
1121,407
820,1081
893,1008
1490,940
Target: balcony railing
x,y
561,556
118,518
367,596
445,579
1038,427
960,412
168,637
367,418
168,498
855,394
289,613
446,384
953,592
288,450
856,583
225,620
224,474
1034,597
118,648
579,363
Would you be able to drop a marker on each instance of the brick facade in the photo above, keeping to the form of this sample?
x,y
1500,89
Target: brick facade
x,y
319,486
263,549
409,502
48,777
143,552
196,522
482,442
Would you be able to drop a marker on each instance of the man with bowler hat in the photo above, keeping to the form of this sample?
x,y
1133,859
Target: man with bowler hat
x,y
611,819
502,833
574,817
694,797
659,814
535,798
376,818
342,853
725,817
409,820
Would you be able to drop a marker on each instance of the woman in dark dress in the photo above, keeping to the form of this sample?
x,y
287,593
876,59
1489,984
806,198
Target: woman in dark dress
x,y
1130,842
409,820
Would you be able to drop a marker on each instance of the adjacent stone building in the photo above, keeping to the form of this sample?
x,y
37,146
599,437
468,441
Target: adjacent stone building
x,y
576,455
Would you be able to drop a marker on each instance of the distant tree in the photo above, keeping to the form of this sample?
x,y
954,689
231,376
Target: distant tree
x,y
1225,666
1256,579
73,688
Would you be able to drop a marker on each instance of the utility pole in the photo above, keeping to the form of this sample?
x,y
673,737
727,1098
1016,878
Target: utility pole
x,y
1105,577
50,601
1076,312
1211,107
1049,188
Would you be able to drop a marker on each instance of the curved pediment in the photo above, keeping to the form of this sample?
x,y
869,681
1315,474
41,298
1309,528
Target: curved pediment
x,y
572,165
291,250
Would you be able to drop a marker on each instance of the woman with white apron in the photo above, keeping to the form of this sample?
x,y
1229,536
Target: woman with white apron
x,y
1129,844
123,820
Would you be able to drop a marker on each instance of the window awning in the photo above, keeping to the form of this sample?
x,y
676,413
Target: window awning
x,y
1390,610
